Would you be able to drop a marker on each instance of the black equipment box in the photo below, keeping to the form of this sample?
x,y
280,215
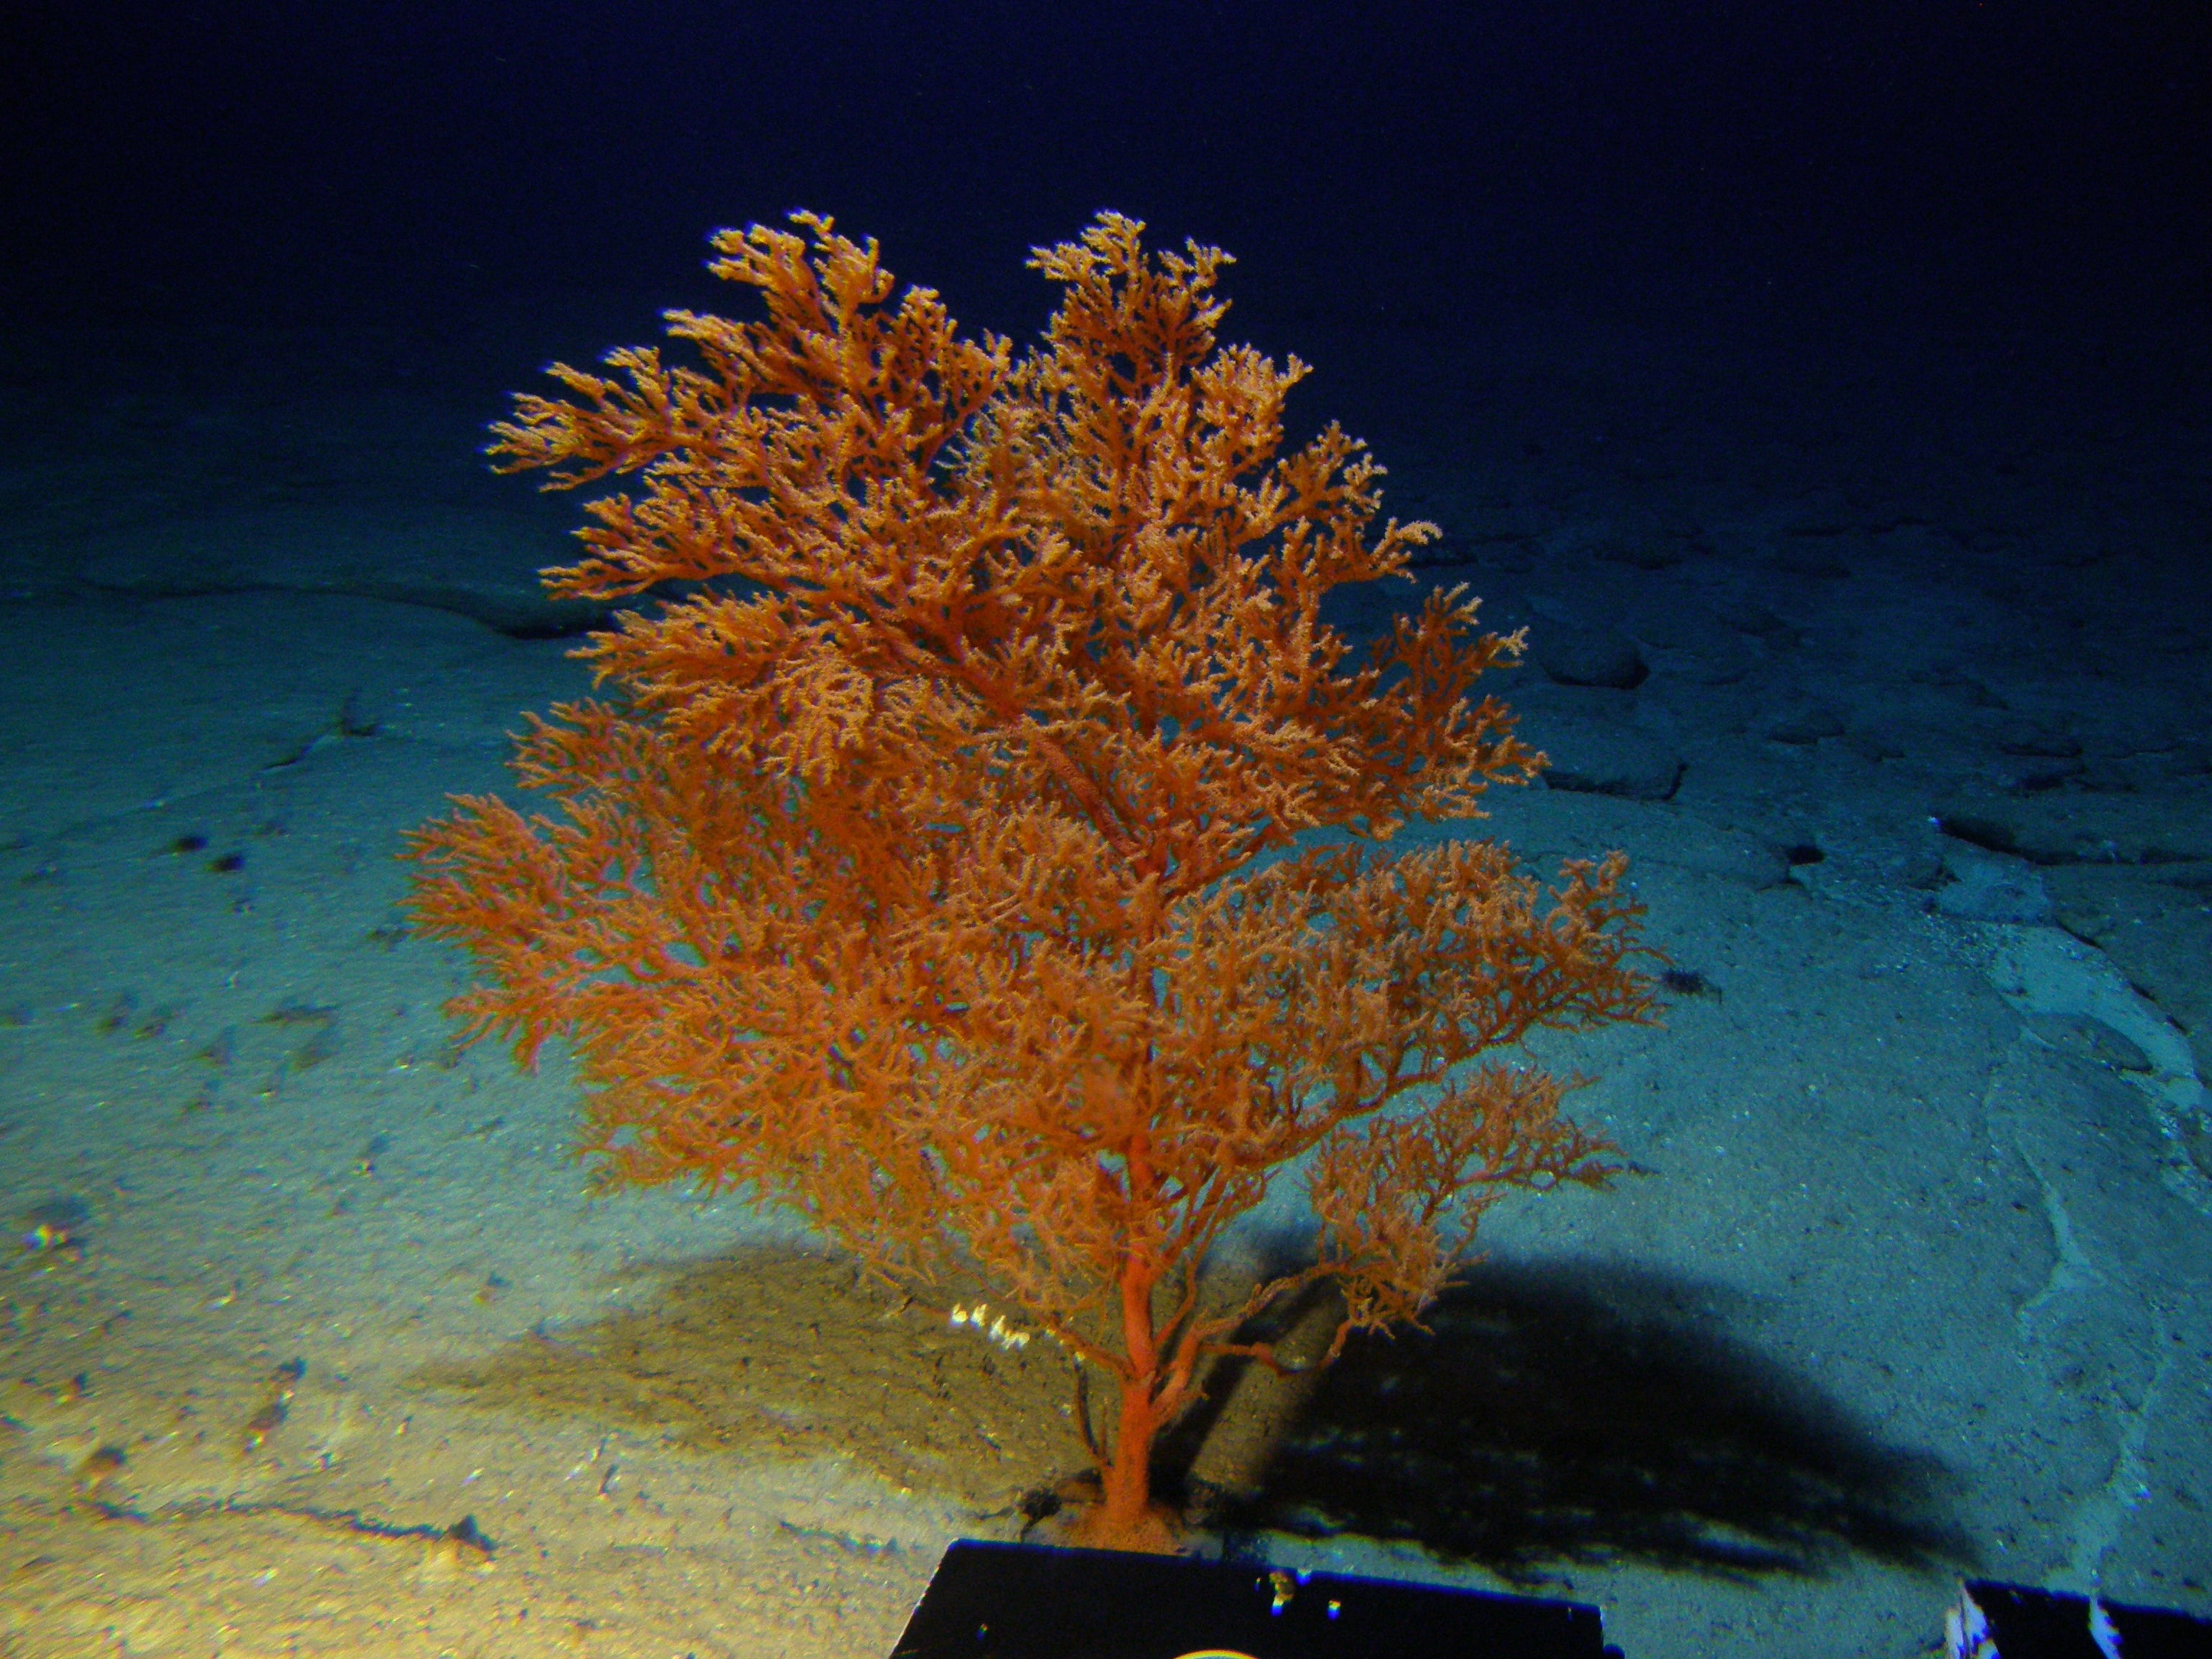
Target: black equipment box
x,y
1030,1601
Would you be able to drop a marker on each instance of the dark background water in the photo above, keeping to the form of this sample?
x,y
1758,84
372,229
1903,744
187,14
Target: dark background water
x,y
2019,178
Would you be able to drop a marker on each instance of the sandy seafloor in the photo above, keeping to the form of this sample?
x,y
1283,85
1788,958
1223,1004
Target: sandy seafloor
x,y
1894,689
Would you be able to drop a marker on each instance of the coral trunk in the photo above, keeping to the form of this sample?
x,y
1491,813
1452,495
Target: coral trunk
x,y
1126,1517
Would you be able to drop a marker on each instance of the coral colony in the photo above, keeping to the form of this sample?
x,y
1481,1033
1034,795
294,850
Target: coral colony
x,y
935,860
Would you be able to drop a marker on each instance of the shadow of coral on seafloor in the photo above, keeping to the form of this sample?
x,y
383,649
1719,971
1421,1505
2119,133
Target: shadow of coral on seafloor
x,y
782,1355
1547,1419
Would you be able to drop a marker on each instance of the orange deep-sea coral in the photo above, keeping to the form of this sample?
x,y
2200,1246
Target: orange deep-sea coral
x,y
930,865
